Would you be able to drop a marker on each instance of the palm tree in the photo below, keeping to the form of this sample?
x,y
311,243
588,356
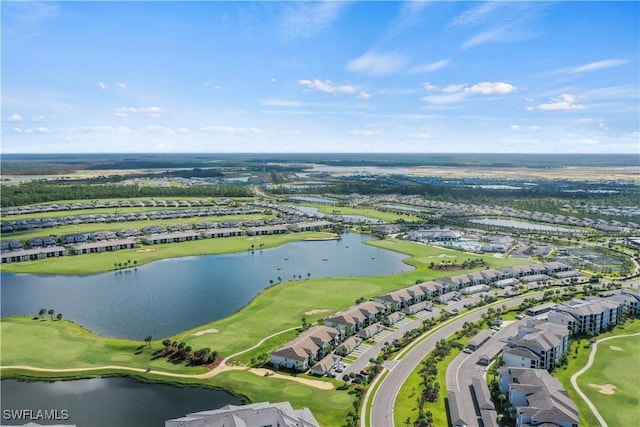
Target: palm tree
x,y
148,340
42,312
59,316
135,263
51,312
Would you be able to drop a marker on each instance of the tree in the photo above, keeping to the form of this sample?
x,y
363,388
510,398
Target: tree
x,y
42,312
59,316
166,342
51,313
148,340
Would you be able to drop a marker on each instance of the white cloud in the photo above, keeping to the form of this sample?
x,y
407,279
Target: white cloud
x,y
327,86
474,15
304,19
39,130
102,129
102,85
17,130
562,102
430,87
364,95
153,112
229,130
378,64
275,102
515,127
448,98
408,16
15,118
39,119
535,128
608,63
453,88
121,85
488,88
455,93
419,135
30,12
429,68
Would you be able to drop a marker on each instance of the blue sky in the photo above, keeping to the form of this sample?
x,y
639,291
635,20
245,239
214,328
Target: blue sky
x,y
539,77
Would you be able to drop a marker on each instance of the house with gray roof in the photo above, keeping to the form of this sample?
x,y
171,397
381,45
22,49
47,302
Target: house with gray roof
x,y
304,350
589,315
348,345
279,414
537,398
479,339
540,345
357,317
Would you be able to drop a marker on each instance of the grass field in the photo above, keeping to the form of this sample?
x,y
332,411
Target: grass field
x,y
606,404
616,363
61,344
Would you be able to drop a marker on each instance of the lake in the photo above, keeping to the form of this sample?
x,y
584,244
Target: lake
x,y
107,402
169,296
523,225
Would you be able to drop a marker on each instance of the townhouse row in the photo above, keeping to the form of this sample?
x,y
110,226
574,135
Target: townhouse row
x,y
48,247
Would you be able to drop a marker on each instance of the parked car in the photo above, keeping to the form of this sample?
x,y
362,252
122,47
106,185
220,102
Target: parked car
x,y
467,350
364,372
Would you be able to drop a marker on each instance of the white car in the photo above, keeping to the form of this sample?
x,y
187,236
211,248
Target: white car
x,y
467,350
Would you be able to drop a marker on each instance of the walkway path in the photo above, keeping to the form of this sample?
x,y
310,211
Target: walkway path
x,y
324,385
574,377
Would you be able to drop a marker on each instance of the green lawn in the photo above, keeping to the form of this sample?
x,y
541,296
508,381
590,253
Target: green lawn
x,y
371,213
62,344
606,404
620,368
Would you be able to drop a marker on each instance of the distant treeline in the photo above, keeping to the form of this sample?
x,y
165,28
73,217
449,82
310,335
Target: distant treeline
x,y
42,192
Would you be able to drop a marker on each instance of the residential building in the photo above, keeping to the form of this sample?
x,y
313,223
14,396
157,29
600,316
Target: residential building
x,y
537,398
479,339
537,344
304,350
279,414
590,315
357,317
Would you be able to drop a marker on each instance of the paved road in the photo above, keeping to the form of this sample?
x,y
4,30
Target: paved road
x,y
384,398
464,368
368,351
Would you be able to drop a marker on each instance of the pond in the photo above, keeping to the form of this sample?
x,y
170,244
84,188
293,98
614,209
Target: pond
x,y
106,402
314,199
172,295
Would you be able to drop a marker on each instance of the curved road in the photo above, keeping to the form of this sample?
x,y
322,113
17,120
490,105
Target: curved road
x,y
385,395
